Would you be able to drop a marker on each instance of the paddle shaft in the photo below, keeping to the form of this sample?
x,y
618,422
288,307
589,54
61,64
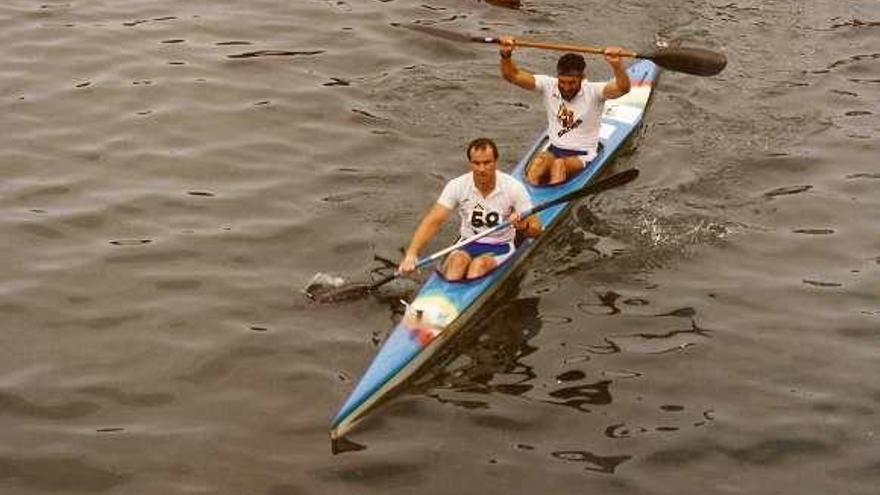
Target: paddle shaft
x,y
607,183
557,46
688,60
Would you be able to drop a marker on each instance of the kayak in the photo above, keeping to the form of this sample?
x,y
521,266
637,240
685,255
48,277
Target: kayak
x,y
442,308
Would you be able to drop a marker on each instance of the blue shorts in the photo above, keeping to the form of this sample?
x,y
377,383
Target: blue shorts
x,y
585,156
500,251
563,153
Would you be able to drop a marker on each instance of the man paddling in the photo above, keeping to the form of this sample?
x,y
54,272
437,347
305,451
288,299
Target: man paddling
x,y
484,198
574,110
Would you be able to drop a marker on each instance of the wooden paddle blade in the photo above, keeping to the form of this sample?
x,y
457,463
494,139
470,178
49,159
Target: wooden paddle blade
x,y
690,60
449,35
329,289
348,292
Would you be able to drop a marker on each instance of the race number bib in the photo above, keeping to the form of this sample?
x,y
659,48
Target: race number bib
x,y
481,219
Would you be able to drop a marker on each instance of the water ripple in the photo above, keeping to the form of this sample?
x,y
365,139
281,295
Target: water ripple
x,y
19,406
59,474
276,53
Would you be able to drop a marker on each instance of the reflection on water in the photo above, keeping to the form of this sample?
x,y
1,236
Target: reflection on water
x,y
592,461
495,362
622,430
497,348
659,343
596,394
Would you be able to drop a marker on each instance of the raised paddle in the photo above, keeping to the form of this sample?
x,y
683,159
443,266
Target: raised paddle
x,y
342,292
689,60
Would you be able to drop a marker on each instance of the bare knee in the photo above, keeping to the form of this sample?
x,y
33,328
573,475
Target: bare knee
x,y
564,168
573,165
481,266
557,171
539,168
456,265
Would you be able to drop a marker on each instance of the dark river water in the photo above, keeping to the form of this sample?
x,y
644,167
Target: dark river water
x,y
173,173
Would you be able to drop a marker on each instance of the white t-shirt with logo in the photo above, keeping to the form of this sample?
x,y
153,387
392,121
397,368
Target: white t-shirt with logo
x,y
479,213
573,125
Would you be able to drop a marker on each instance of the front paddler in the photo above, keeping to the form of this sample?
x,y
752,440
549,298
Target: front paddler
x,y
484,198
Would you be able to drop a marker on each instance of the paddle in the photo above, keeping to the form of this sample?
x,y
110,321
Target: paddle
x,y
342,292
689,60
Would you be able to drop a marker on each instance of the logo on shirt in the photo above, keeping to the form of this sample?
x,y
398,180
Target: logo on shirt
x,y
565,115
566,118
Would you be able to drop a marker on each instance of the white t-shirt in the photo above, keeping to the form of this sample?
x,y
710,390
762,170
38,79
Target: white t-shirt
x,y
479,213
573,125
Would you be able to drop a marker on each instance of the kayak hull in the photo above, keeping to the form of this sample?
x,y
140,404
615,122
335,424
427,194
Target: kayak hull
x,y
441,308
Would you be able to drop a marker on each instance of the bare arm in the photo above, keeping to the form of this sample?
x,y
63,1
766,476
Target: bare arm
x,y
621,84
509,70
431,224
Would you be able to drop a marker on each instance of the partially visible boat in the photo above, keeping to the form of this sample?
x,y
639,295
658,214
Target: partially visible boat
x,y
442,308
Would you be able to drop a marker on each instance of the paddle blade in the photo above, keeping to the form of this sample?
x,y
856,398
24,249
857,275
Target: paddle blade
x,y
325,289
348,292
448,35
690,60
611,182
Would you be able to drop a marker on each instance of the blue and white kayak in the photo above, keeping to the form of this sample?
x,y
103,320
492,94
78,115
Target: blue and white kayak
x,y
441,308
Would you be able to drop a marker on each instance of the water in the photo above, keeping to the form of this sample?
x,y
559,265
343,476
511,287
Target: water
x,y
173,173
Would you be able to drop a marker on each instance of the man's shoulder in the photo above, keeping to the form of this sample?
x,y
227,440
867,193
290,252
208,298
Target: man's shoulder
x,y
458,185
596,87
453,192
543,81
460,180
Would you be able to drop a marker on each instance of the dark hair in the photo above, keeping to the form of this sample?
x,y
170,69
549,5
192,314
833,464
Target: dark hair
x,y
571,64
481,143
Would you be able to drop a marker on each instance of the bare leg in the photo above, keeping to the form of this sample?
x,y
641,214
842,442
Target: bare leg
x,y
557,171
538,170
564,168
456,265
481,266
